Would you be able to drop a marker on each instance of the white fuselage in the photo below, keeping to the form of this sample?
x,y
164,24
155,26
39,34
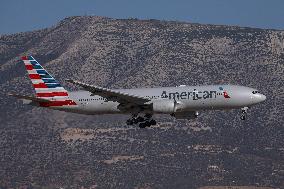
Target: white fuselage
x,y
186,98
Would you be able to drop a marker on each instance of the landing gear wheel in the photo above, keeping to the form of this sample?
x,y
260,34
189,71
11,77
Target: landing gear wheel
x,y
196,114
148,116
142,125
142,122
153,122
135,121
140,119
129,122
147,123
244,113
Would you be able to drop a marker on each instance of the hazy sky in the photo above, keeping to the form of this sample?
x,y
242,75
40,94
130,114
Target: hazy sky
x,y
26,15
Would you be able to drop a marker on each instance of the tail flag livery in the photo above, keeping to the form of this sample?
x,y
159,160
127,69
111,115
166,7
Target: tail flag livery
x,y
46,87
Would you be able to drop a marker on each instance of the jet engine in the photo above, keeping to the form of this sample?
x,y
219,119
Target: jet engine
x,y
164,106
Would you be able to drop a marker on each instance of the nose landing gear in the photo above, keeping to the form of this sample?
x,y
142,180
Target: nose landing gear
x,y
244,113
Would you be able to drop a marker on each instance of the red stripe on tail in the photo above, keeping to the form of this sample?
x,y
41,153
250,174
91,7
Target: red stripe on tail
x,y
52,94
40,85
24,58
34,76
29,67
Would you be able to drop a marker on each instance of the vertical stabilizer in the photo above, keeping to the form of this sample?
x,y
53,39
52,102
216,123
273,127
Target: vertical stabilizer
x,y
46,87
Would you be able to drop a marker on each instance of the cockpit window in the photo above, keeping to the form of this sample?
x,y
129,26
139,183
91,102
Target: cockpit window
x,y
254,92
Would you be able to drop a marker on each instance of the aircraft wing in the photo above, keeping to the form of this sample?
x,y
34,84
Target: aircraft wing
x,y
24,97
111,95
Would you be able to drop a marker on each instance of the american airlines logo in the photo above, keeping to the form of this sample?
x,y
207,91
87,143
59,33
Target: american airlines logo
x,y
225,94
194,95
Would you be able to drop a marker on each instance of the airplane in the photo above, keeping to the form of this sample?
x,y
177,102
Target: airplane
x,y
181,102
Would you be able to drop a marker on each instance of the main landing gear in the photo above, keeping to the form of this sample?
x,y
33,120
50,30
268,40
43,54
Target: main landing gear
x,y
143,122
244,113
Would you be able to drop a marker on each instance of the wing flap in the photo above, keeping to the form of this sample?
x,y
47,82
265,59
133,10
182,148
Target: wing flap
x,y
110,94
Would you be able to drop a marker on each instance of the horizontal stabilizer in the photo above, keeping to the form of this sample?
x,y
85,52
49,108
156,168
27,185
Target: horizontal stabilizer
x,y
24,97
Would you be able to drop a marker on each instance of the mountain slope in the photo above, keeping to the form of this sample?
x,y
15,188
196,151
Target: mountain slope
x,y
217,149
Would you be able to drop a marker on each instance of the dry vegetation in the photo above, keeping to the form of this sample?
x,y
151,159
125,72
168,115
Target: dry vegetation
x,y
44,148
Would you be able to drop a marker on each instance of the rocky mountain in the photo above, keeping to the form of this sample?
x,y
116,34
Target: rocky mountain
x,y
52,149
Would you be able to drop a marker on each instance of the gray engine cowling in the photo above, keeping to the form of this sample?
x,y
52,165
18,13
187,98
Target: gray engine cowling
x,y
164,106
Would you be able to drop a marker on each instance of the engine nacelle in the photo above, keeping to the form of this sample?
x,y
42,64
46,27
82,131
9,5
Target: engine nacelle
x,y
164,106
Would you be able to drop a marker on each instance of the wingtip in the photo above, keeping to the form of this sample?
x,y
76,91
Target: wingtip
x,y
11,94
69,80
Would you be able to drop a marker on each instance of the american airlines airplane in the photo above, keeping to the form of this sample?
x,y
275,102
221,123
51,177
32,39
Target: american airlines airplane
x,y
182,102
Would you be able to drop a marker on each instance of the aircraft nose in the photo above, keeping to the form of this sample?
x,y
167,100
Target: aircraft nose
x,y
260,97
263,97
